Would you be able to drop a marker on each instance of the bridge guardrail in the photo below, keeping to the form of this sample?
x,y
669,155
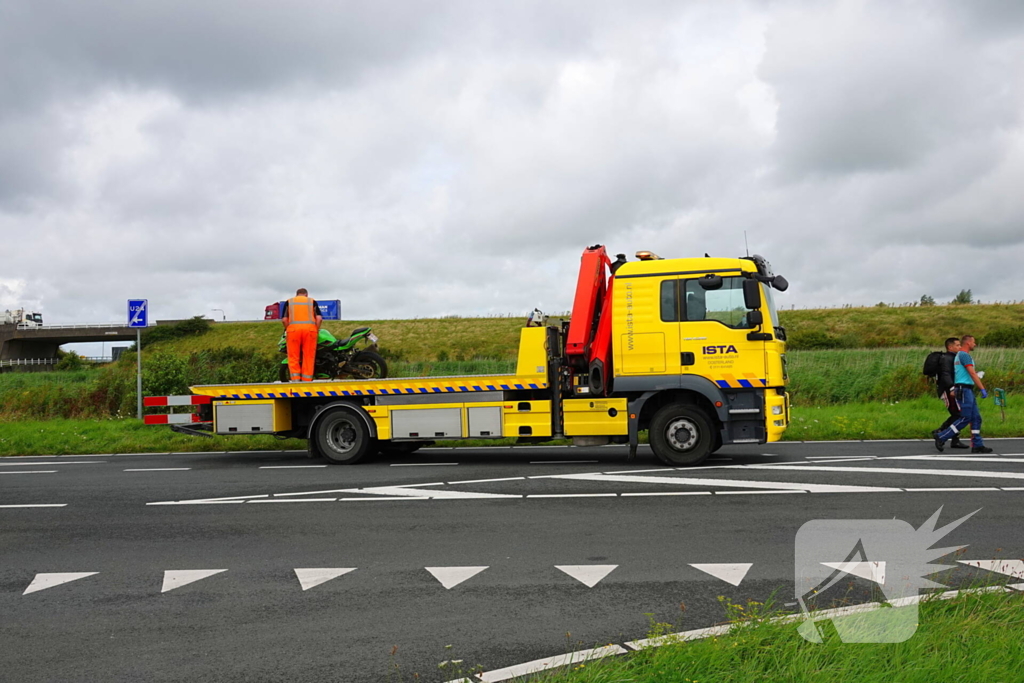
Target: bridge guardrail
x,y
77,326
51,361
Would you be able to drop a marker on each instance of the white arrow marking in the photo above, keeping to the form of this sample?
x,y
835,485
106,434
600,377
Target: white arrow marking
x,y
182,577
872,571
730,573
43,581
1014,568
430,493
453,576
314,577
587,574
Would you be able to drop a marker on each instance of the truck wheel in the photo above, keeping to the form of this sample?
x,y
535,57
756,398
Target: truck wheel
x,y
342,437
681,434
367,365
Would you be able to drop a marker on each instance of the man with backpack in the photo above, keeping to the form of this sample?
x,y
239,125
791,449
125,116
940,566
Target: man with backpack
x,y
941,366
965,380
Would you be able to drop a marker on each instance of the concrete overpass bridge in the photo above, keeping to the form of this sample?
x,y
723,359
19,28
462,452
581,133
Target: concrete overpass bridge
x,y
40,343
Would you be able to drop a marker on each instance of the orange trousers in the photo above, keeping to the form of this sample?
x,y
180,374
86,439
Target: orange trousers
x,y
301,351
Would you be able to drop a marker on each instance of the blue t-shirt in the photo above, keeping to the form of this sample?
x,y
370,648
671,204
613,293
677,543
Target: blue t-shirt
x,y
960,363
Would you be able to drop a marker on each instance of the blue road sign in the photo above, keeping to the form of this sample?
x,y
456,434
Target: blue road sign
x,y
138,312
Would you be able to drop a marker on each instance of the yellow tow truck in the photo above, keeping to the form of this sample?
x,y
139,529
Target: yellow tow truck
x,y
689,349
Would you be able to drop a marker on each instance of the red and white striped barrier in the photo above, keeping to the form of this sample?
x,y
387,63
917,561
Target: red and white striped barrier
x,y
181,418
159,401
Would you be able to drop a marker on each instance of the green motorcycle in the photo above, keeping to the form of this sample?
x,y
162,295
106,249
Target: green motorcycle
x,y
355,357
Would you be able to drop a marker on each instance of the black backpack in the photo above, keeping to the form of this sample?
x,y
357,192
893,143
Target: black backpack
x,y
931,364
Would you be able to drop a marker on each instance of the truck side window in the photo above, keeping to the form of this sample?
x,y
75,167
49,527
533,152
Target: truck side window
x,y
669,301
723,305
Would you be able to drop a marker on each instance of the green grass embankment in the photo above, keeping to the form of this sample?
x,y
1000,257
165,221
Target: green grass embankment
x,y
973,637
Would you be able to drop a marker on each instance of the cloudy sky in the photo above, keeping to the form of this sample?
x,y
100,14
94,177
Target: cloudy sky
x,y
420,159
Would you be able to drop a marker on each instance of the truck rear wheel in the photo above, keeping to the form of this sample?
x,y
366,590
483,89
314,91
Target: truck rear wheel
x,y
342,437
681,434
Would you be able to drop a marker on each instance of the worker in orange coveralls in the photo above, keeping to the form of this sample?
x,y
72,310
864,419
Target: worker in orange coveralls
x,y
302,320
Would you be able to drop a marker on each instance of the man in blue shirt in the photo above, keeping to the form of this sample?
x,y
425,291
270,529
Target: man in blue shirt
x,y
966,379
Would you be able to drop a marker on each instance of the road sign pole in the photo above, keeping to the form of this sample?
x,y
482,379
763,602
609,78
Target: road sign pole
x,y
138,374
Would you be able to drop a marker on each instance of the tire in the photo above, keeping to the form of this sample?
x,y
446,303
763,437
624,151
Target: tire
x,y
367,365
342,437
681,434
718,442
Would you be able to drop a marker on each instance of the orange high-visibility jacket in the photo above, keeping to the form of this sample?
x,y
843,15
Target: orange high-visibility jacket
x,y
301,311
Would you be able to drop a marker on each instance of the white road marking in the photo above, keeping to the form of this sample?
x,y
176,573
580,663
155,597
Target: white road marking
x,y
410,491
484,481
872,571
755,493
292,500
197,502
963,488
351,500
36,505
954,458
32,472
1013,488
308,578
43,581
182,577
44,464
453,576
421,464
670,493
562,462
587,574
160,469
735,483
730,573
572,495
1014,568
696,634
539,665
289,467
895,470
814,459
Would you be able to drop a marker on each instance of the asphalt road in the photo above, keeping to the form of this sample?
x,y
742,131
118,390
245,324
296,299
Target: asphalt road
x,y
231,566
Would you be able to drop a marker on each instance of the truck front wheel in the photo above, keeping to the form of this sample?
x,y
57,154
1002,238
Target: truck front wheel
x,y
681,434
342,437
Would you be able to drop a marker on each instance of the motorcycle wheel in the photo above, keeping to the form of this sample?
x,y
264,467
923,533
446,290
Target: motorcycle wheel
x,y
367,365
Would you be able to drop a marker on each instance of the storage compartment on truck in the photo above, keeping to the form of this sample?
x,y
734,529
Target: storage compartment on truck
x,y
426,423
252,417
595,417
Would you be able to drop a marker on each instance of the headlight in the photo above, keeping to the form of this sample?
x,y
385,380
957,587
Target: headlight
x,y
780,423
777,410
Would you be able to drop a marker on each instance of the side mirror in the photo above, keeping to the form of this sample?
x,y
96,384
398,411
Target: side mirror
x,y
710,282
751,294
780,283
755,318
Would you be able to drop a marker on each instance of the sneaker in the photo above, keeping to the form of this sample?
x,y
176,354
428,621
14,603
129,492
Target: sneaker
x,y
957,443
939,443
981,449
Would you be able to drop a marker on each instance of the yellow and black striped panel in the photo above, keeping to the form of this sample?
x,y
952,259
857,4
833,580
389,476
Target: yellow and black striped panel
x,y
386,387
747,380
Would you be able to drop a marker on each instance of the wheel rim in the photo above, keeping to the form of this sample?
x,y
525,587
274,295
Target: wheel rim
x,y
341,436
682,434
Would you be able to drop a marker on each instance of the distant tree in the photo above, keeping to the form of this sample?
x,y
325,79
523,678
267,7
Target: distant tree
x,y
881,304
964,297
927,300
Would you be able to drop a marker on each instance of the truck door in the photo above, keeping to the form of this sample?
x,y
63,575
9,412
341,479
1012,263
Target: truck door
x,y
713,333
647,325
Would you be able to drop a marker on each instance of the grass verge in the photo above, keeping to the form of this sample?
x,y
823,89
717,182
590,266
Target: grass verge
x,y
972,637
80,437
